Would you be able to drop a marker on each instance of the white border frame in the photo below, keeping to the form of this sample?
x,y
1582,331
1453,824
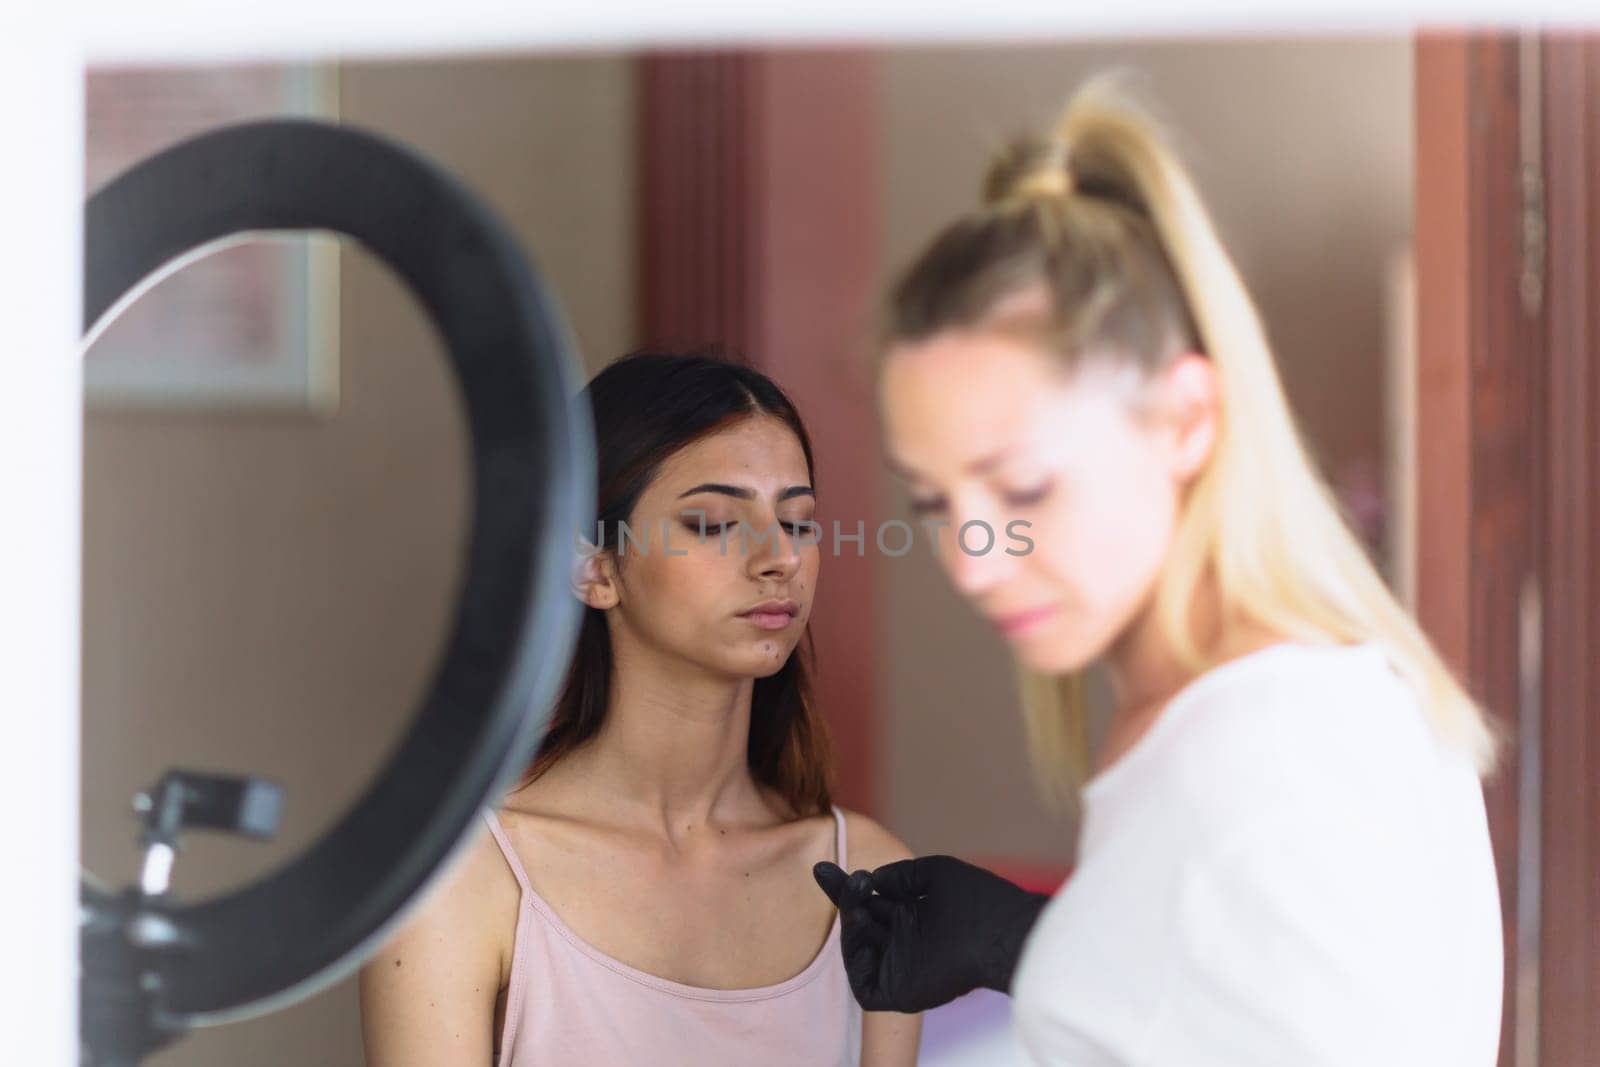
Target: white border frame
x,y
42,60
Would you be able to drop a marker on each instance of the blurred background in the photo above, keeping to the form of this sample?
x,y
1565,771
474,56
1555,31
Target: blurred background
x,y
274,507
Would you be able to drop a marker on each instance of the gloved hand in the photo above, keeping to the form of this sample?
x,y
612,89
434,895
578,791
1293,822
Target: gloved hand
x,y
919,933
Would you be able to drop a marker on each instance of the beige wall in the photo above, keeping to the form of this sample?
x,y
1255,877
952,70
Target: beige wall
x,y
268,593
1303,150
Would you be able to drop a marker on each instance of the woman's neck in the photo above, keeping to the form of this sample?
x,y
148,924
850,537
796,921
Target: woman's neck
x,y
673,754
1145,669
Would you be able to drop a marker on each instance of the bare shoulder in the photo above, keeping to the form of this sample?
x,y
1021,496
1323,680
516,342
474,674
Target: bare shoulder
x,y
870,845
471,907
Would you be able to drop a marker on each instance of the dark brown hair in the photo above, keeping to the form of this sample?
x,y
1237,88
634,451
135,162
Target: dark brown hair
x,y
646,407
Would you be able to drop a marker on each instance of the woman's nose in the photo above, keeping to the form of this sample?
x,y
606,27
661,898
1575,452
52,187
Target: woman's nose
x,y
972,557
776,554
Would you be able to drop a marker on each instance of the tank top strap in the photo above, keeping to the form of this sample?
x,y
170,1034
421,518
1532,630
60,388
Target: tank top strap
x,y
839,839
506,850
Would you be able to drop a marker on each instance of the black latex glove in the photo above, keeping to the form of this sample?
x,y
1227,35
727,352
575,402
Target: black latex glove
x,y
919,933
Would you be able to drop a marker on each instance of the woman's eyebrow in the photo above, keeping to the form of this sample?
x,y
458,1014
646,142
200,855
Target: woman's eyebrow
x,y
743,493
981,465
717,487
899,469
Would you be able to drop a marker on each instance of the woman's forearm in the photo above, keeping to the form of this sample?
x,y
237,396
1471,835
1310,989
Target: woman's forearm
x,y
889,1039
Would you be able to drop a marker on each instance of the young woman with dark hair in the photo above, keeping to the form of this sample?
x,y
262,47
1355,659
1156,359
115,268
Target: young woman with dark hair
x,y
644,895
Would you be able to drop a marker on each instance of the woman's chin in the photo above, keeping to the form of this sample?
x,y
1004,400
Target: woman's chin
x,y
758,671
763,659
1052,655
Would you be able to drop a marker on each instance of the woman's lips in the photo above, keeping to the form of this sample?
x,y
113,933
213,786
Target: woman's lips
x,y
769,620
1020,623
773,614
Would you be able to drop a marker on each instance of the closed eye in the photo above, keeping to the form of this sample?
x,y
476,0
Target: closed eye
x,y
696,524
711,529
1027,497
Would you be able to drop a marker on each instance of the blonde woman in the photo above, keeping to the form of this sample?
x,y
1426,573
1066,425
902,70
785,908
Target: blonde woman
x,y
1284,857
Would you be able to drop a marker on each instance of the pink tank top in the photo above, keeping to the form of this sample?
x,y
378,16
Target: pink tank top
x,y
570,1003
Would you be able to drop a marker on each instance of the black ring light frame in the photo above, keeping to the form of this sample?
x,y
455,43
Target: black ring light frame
x,y
532,459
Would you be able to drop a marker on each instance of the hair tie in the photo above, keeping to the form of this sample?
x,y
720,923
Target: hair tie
x,y
1050,180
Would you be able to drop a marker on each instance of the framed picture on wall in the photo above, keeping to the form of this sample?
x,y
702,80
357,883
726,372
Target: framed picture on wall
x,y
251,322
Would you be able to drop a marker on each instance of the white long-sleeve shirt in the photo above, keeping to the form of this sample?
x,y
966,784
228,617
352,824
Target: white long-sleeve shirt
x,y
1287,870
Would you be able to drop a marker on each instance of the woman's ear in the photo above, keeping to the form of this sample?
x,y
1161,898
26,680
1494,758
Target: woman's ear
x,y
1191,398
594,576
